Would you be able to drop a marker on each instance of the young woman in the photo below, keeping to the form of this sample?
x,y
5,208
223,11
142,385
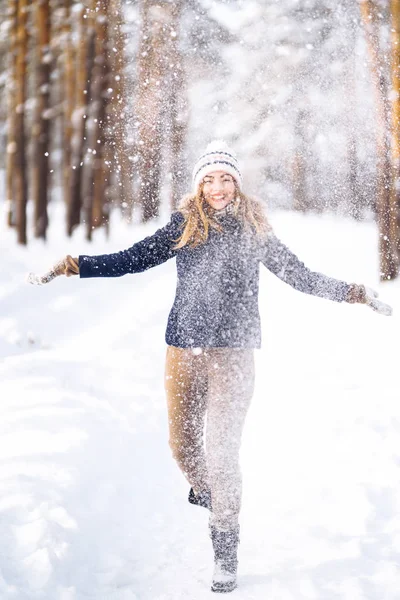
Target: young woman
x,y
219,237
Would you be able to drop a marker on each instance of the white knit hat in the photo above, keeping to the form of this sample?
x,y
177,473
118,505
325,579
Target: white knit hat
x,y
217,157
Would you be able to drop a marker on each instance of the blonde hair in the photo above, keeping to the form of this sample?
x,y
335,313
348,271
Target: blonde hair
x,y
199,217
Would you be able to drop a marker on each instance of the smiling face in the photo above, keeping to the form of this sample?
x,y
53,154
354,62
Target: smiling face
x,y
218,189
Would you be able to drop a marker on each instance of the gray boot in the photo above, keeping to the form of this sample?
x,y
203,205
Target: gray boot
x,y
225,544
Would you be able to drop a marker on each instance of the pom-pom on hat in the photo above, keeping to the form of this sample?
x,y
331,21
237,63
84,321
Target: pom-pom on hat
x,y
217,157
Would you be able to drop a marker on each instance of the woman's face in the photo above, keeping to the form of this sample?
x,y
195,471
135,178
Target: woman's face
x,y
218,189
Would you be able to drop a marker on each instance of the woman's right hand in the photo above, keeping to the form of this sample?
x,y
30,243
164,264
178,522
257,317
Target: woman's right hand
x,y
66,266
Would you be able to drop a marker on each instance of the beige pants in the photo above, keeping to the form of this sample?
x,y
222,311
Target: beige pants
x,y
212,387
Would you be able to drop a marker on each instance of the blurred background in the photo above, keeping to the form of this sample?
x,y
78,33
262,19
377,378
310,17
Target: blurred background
x,y
106,104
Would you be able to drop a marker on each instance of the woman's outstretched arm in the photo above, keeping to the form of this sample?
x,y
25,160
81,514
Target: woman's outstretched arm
x,y
283,263
149,252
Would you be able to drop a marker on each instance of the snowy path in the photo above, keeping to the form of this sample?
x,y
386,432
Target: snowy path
x,y
93,507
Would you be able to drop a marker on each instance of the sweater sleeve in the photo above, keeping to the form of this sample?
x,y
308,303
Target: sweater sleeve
x,y
149,252
284,264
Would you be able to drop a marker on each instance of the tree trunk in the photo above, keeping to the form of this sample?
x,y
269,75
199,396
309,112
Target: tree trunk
x,y
387,252
356,198
94,168
69,100
300,190
20,173
119,112
178,107
156,20
11,114
354,191
395,188
83,70
101,171
41,126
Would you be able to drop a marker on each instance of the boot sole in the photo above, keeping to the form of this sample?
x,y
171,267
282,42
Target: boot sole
x,y
223,588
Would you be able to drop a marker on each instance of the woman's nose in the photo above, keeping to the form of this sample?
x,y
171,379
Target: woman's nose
x,y
216,186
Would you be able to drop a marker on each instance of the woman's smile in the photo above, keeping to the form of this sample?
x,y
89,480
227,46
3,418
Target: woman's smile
x,y
219,198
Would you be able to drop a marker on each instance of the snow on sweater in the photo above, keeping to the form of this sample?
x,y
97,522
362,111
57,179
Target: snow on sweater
x,y
216,301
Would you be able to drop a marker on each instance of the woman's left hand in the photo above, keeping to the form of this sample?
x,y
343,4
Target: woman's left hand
x,y
364,295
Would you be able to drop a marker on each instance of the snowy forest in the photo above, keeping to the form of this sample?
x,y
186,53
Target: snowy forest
x,y
106,104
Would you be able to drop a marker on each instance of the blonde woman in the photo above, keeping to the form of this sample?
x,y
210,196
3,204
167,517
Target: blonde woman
x,y
219,237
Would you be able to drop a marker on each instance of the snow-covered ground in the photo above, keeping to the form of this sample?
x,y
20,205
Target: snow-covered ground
x,y
92,506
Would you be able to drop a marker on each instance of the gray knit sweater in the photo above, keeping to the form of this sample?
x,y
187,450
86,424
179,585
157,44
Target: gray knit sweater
x,y
216,301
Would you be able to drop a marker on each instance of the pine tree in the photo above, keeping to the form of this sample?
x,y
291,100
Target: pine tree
x,y
394,228
69,92
94,183
177,113
119,110
41,125
11,112
387,253
20,164
149,103
84,60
